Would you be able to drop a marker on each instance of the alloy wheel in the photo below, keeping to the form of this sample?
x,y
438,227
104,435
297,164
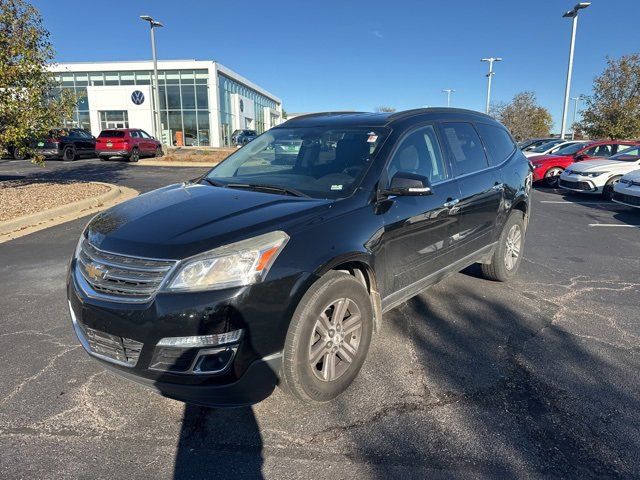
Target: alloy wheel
x,y
552,177
512,247
335,339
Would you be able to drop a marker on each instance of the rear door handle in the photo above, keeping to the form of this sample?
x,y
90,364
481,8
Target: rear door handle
x,y
451,203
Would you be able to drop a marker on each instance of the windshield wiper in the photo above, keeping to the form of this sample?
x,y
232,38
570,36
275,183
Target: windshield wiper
x,y
213,183
268,188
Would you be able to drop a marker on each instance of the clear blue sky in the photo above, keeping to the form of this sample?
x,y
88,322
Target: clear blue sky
x,y
337,55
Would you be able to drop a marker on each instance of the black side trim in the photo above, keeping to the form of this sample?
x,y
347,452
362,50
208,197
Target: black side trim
x,y
396,298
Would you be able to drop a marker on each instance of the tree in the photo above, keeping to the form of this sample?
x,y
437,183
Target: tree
x,y
613,111
523,116
30,102
385,109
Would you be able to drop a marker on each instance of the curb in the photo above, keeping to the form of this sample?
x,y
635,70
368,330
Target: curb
x,y
160,163
27,224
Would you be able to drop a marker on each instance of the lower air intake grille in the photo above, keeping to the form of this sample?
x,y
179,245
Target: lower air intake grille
x,y
116,348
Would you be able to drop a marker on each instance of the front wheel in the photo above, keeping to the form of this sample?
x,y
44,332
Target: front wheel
x,y
607,190
508,253
552,176
159,152
328,338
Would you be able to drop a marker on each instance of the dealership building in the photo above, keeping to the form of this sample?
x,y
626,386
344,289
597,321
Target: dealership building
x,y
201,102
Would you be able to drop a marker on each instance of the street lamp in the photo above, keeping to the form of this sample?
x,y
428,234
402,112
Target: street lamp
x,y
448,91
573,14
155,95
489,75
575,110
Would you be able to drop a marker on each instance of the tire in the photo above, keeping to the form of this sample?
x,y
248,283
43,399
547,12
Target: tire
x,y
552,175
502,267
607,190
17,154
317,382
134,156
69,154
158,152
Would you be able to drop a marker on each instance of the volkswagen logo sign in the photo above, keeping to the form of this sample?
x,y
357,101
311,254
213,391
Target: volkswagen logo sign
x,y
137,97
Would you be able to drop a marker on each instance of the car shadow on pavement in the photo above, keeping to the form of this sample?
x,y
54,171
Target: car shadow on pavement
x,y
506,392
89,172
218,443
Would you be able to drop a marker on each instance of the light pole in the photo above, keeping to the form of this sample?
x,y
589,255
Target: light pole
x,y
155,95
448,91
489,75
575,110
573,14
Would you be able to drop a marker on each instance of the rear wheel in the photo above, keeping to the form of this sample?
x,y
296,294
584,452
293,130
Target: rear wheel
x,y
328,338
68,154
18,154
508,253
607,190
134,156
552,176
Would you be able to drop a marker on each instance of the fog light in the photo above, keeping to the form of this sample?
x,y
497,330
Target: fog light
x,y
198,341
216,360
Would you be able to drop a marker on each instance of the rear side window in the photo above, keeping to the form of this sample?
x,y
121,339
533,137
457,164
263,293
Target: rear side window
x,y
465,147
499,143
134,134
111,134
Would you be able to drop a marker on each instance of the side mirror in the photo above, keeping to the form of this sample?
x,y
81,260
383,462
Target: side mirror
x,y
579,157
408,184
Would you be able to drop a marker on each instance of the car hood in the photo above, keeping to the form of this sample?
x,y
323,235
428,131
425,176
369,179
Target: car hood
x,y
182,220
602,165
547,158
633,175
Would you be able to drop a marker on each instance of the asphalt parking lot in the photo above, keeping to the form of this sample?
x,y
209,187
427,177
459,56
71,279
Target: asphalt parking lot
x,y
539,377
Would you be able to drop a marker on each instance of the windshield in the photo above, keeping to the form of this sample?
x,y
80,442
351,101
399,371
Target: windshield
x,y
534,144
320,162
627,155
569,149
546,146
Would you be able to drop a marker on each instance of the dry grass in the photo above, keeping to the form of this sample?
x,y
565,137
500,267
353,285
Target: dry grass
x,y
197,155
18,197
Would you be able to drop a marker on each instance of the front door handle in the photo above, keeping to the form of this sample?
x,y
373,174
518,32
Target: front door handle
x,y
451,203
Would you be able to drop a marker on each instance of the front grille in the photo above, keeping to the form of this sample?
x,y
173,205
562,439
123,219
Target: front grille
x,y
628,199
126,278
575,185
116,348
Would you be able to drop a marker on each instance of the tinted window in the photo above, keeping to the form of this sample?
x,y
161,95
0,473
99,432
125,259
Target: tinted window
x,y
111,134
627,154
465,147
598,151
419,153
498,142
569,149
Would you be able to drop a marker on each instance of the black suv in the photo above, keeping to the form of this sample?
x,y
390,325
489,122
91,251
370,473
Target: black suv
x,y
62,143
242,137
265,272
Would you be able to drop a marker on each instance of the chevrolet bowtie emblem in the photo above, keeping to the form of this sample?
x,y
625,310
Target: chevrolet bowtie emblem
x,y
95,271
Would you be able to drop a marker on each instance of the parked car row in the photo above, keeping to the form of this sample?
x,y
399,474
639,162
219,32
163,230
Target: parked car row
x,y
610,168
69,144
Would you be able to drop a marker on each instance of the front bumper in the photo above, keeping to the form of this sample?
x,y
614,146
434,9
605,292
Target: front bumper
x,y
627,195
126,336
577,183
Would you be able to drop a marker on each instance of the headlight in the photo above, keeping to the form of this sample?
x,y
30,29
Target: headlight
x,y
234,265
535,165
592,174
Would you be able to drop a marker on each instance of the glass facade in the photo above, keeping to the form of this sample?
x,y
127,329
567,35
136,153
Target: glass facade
x,y
183,102
227,87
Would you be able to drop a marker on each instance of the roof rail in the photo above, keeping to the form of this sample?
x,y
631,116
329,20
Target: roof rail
x,y
324,114
418,111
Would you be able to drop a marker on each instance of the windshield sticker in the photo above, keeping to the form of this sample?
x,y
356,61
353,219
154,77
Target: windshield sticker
x,y
372,137
336,187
